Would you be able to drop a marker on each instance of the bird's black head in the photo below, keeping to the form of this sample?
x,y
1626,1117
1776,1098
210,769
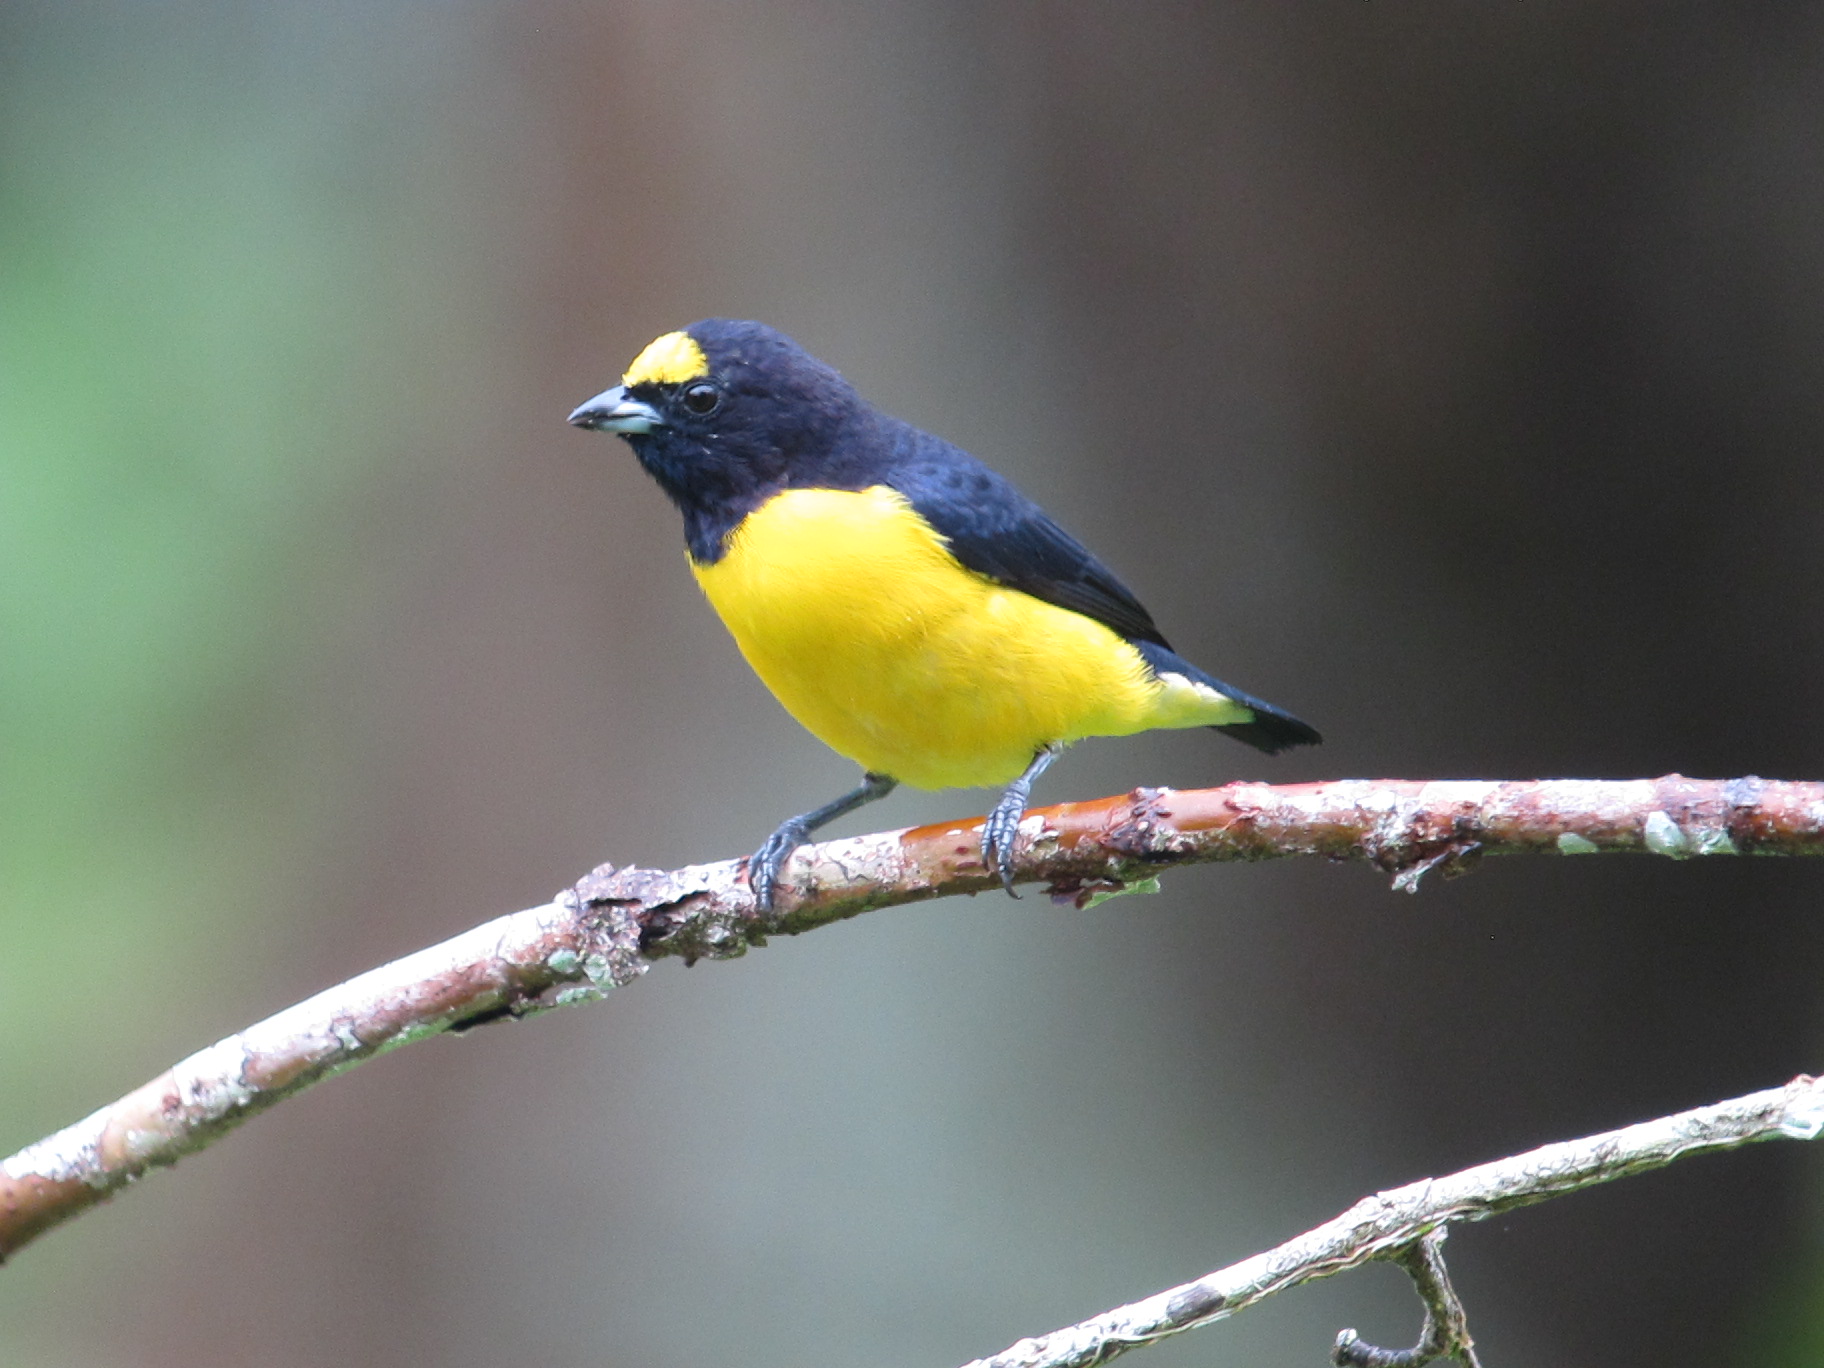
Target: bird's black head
x,y
724,415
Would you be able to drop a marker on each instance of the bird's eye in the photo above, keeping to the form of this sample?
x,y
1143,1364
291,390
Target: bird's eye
x,y
702,398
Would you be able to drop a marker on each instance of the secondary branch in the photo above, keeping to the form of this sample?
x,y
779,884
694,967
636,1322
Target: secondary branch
x,y
1390,1224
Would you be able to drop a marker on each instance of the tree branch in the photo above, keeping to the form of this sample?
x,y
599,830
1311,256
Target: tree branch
x,y
607,930
1389,1225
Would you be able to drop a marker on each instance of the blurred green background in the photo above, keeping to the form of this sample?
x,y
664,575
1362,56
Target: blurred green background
x,y
1448,375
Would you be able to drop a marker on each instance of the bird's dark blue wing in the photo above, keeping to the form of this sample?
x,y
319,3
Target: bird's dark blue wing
x,y
997,531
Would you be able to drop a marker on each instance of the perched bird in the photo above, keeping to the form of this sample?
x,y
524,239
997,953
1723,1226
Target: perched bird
x,y
910,607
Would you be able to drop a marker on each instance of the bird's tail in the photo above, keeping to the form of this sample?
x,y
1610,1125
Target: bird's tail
x,y
1270,729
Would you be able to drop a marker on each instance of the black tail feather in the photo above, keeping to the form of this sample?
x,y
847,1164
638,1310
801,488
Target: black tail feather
x,y
1272,729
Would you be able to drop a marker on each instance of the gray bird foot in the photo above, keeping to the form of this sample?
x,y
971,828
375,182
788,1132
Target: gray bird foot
x,y
1001,832
764,864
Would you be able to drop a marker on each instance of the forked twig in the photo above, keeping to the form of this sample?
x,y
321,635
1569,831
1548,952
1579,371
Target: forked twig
x,y
1387,1224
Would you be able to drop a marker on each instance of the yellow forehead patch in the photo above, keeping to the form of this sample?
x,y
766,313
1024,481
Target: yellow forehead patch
x,y
668,360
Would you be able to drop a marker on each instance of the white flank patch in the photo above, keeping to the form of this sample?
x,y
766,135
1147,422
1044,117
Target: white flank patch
x,y
1196,701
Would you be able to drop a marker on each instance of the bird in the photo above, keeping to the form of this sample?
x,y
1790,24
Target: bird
x,y
904,602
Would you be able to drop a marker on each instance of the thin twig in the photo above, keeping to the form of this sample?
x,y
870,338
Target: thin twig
x,y
1380,1227
1446,1331
607,930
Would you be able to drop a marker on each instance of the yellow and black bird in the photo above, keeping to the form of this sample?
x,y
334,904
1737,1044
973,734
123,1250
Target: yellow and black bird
x,y
910,607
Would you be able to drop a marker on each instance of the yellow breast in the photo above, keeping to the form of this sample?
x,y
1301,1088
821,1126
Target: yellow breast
x,y
854,612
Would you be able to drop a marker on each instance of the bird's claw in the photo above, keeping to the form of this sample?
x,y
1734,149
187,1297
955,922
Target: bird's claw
x,y
764,864
1000,833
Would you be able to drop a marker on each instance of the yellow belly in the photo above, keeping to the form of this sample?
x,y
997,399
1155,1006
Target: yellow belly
x,y
853,611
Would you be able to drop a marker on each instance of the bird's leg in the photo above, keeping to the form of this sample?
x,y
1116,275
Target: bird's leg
x,y
1001,828
763,866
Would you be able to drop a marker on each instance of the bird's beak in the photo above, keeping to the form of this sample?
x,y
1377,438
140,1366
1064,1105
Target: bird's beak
x,y
613,411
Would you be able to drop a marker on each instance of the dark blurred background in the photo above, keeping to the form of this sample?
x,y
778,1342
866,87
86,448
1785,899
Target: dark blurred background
x,y
1449,374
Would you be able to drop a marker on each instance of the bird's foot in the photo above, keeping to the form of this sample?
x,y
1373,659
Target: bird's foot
x,y
764,864
1001,827
1001,832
